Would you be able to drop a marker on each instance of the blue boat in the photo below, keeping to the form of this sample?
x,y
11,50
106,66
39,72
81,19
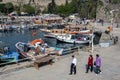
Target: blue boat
x,y
8,56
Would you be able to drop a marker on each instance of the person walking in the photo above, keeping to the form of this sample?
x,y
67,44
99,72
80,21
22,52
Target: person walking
x,y
73,65
90,64
98,64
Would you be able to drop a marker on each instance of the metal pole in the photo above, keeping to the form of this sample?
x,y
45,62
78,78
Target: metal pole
x,y
92,43
78,50
92,38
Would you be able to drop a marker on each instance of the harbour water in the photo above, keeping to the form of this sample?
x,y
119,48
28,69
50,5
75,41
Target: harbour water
x,y
11,38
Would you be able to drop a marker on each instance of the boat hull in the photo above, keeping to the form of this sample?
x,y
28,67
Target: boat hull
x,y
68,39
32,53
72,41
10,57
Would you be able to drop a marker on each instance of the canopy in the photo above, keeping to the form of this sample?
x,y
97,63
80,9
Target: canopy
x,y
36,41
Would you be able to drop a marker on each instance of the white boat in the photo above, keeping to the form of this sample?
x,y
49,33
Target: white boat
x,y
23,49
51,35
32,52
68,38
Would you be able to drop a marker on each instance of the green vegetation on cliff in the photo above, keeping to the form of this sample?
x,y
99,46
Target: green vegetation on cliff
x,y
85,8
115,1
29,9
6,8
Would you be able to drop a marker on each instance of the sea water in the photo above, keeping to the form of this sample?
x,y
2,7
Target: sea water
x,y
11,38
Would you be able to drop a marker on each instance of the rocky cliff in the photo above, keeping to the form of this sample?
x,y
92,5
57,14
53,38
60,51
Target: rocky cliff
x,y
109,12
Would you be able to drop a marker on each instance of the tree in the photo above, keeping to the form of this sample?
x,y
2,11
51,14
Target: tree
x,y
115,1
50,10
9,7
45,10
74,4
65,10
16,8
2,8
52,7
20,6
85,8
88,8
82,11
29,2
66,2
29,9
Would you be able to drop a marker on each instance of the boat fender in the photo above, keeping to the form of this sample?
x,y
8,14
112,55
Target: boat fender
x,y
52,31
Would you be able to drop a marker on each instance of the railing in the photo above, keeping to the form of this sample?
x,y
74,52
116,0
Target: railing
x,y
1,64
71,50
65,52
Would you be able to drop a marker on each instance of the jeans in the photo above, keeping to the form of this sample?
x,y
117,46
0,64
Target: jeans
x,y
89,68
73,69
98,69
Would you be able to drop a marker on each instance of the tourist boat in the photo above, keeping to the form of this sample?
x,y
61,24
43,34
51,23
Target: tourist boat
x,y
52,35
33,52
49,35
69,38
8,56
80,32
54,32
57,33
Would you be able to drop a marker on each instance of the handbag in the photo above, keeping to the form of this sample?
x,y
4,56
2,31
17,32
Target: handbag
x,y
94,63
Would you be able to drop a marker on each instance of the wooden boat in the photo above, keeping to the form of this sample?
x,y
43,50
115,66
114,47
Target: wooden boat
x,y
34,52
69,38
81,32
54,32
49,35
49,50
24,50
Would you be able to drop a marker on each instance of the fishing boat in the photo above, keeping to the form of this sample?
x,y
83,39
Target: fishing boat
x,y
33,52
69,38
8,56
24,49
